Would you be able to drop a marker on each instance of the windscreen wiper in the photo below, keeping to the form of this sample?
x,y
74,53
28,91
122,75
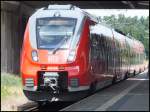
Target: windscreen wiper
x,y
59,45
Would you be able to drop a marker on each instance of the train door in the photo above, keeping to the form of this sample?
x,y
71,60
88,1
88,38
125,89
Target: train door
x,y
118,62
109,56
100,55
106,52
114,58
95,53
110,47
92,53
103,63
105,55
128,57
122,64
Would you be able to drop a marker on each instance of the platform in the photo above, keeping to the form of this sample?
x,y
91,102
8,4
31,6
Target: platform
x,y
129,95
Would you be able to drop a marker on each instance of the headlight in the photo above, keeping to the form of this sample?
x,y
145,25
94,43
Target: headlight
x,y
34,55
71,56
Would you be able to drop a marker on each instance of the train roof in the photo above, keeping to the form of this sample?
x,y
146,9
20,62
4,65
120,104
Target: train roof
x,y
108,32
66,8
101,30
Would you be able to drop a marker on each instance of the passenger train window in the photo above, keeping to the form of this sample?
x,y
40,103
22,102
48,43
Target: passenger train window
x,y
95,40
51,32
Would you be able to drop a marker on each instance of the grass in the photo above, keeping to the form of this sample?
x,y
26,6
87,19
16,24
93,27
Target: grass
x,y
10,85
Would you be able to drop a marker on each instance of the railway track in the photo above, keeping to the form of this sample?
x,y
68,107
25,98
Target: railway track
x,y
29,106
50,106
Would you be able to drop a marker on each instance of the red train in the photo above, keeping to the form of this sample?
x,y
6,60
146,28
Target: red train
x,y
67,52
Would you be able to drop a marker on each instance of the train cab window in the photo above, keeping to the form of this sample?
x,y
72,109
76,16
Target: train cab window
x,y
51,32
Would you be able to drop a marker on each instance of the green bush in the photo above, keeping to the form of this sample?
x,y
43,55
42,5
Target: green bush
x,y
10,85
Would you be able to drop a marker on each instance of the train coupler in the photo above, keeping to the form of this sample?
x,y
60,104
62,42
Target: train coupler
x,y
52,82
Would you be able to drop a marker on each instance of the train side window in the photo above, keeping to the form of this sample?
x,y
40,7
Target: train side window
x,y
94,40
98,46
93,45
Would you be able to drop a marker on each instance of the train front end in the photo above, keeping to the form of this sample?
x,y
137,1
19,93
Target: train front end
x,y
50,66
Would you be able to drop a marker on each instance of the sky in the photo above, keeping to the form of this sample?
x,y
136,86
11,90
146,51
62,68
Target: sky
x,y
126,12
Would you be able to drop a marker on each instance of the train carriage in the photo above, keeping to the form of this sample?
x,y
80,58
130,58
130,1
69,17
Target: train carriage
x,y
67,52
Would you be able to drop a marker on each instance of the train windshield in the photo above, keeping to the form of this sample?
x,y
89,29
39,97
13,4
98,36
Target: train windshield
x,y
54,33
